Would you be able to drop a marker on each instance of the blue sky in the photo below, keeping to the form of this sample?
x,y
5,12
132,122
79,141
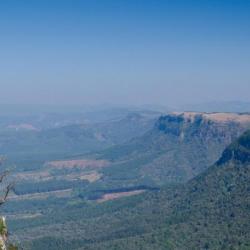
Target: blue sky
x,y
124,52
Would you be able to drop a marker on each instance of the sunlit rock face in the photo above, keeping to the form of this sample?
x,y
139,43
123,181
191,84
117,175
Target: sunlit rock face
x,y
206,126
3,233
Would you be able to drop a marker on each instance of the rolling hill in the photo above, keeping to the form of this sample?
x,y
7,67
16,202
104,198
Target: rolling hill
x,y
29,148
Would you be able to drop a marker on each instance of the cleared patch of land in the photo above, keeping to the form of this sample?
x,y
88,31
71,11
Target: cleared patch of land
x,y
42,195
83,163
228,117
113,196
33,175
91,177
45,175
22,126
217,117
24,216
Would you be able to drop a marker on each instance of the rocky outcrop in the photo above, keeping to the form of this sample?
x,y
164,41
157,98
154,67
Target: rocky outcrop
x,y
206,126
3,234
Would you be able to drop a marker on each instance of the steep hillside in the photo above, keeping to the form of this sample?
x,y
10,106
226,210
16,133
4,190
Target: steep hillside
x,y
211,211
180,146
214,207
134,124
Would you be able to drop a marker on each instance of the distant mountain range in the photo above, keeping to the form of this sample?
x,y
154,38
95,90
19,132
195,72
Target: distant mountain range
x,y
217,106
26,145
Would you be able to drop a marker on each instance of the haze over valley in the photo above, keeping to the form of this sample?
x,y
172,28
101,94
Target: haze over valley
x,y
100,168
125,125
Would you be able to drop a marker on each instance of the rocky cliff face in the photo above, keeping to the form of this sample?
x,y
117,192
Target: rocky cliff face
x,y
191,142
3,234
207,126
4,245
179,147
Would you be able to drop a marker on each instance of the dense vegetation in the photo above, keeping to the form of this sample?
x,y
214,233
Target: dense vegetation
x,y
170,214
209,212
47,186
30,148
174,151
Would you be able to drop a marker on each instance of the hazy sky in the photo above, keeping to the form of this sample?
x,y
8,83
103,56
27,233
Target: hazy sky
x,y
124,52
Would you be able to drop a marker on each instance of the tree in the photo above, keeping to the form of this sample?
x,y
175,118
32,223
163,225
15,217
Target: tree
x,y
5,190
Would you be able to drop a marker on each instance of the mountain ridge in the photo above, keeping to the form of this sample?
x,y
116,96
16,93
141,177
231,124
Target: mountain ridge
x,y
178,147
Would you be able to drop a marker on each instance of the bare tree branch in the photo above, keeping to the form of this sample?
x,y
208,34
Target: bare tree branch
x,y
8,189
3,175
